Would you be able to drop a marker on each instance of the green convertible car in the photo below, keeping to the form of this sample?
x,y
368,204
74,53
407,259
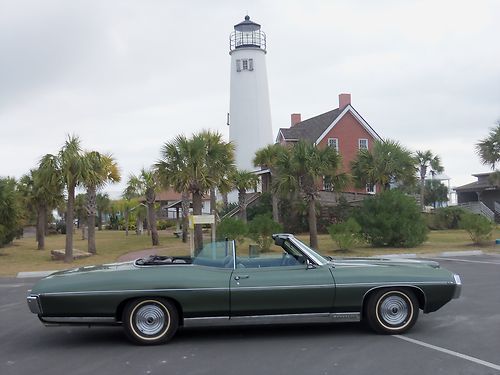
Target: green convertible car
x,y
152,297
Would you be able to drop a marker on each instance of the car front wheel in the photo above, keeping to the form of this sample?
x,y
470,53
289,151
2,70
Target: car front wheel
x,y
150,321
392,311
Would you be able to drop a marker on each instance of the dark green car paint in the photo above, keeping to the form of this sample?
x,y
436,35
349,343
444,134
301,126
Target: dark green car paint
x,y
339,286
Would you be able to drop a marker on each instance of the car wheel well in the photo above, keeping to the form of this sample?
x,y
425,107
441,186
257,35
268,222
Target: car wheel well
x,y
121,307
419,293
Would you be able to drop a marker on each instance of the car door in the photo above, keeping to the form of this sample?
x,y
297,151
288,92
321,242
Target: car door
x,y
288,289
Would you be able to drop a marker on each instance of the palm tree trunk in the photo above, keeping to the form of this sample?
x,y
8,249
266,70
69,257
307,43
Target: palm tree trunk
x,y
126,221
185,216
40,227
150,199
152,222
198,230
91,211
313,230
225,201
242,204
274,202
68,250
422,187
99,220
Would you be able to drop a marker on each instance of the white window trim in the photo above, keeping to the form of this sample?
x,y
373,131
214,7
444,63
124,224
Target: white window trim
x,y
373,191
335,142
359,143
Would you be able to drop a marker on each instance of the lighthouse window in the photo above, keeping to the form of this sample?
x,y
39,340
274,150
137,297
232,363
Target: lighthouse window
x,y
244,64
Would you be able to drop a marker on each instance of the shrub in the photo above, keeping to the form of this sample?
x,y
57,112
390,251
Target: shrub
x,y
164,224
9,211
346,234
392,219
478,227
261,228
231,228
445,218
263,206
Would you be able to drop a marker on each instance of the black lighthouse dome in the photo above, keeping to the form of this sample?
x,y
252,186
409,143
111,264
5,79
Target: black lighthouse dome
x,y
247,34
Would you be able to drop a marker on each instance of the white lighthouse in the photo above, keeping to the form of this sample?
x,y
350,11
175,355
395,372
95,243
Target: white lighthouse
x,y
249,109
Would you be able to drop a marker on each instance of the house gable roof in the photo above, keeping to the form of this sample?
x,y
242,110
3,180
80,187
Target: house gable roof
x,y
309,129
316,128
357,116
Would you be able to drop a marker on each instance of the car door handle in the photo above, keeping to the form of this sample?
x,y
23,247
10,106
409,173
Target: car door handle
x,y
239,277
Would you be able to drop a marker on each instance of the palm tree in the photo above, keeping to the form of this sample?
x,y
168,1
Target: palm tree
x,y
268,157
388,162
242,181
220,161
72,168
102,169
488,148
42,191
102,202
425,160
147,184
301,170
187,166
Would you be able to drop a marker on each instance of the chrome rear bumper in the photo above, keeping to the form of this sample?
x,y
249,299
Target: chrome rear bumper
x,y
458,286
34,304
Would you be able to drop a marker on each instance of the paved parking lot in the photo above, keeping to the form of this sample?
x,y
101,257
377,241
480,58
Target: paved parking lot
x,y
461,338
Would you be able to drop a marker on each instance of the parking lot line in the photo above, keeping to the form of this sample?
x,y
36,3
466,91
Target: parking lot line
x,y
450,352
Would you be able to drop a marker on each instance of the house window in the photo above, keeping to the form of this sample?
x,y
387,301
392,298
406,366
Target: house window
x,y
244,64
327,184
334,143
371,188
363,144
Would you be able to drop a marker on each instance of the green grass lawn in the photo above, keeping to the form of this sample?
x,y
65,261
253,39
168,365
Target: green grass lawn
x,y
22,255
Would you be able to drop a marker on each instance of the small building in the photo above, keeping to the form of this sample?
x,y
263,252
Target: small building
x,y
170,203
483,192
342,128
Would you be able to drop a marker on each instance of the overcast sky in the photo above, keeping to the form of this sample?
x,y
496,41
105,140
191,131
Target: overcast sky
x,y
128,76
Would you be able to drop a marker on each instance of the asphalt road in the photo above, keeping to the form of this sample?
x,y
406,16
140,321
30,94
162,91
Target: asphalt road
x,y
461,338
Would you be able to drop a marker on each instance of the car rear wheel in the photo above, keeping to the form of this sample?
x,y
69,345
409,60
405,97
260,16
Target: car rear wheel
x,y
392,311
150,321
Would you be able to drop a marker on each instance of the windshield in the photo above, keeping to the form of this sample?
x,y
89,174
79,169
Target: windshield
x,y
287,251
310,253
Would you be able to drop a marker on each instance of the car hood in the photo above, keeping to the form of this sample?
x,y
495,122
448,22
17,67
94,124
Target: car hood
x,y
383,262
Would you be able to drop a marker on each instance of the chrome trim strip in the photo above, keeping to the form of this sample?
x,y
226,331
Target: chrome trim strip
x,y
132,291
188,289
55,320
283,287
402,283
273,319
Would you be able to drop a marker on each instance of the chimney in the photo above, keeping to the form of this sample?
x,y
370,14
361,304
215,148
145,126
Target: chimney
x,y
295,119
344,100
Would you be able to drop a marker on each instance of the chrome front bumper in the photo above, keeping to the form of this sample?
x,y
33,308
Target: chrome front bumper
x,y
34,304
458,286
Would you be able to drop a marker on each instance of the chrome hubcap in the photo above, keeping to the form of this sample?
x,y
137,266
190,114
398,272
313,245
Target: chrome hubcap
x,y
150,319
394,310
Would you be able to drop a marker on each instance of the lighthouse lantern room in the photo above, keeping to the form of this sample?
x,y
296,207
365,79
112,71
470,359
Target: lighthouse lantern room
x,y
250,111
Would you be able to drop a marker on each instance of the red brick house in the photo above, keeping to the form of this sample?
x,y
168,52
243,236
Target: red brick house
x,y
342,128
